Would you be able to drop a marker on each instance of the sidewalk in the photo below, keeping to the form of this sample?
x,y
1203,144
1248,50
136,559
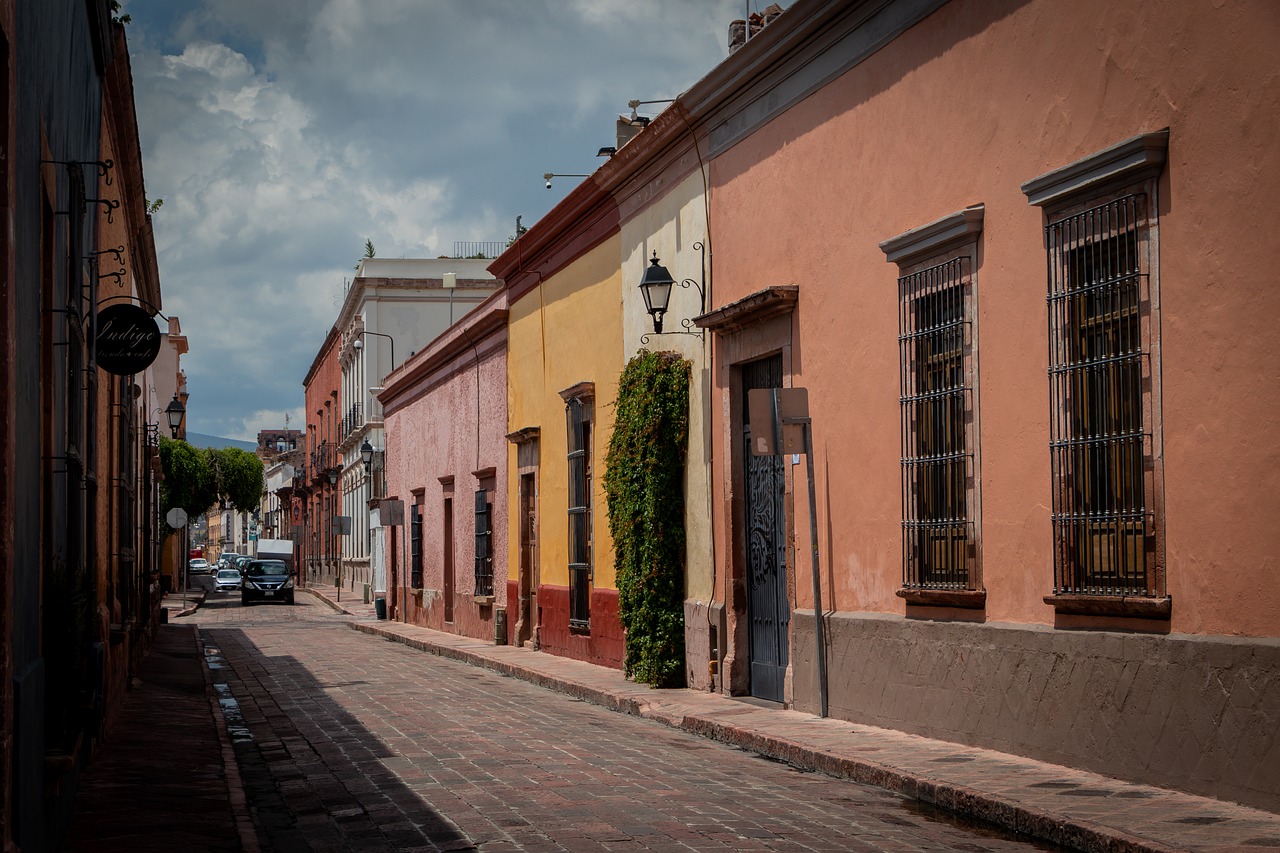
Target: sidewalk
x,y
1077,809
165,778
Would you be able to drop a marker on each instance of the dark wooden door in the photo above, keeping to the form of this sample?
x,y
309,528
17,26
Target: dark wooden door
x,y
768,612
528,560
448,560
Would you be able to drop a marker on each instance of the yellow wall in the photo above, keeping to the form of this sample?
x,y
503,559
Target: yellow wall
x,y
565,331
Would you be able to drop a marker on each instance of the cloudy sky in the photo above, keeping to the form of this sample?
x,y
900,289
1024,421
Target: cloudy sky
x,y
281,134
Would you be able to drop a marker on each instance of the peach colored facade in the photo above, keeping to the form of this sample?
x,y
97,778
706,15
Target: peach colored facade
x,y
444,413
822,154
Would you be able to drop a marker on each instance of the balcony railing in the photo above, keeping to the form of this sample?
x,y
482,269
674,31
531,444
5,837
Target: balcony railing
x,y
351,421
478,248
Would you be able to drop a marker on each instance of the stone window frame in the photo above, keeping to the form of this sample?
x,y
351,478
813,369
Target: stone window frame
x,y
579,402
948,247
1133,167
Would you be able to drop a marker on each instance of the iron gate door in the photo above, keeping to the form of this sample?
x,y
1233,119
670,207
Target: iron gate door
x,y
768,612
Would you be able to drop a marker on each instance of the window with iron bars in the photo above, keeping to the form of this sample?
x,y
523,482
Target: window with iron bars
x,y
579,413
1100,377
484,543
938,526
415,546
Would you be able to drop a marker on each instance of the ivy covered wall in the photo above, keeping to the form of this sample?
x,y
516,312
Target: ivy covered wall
x,y
644,485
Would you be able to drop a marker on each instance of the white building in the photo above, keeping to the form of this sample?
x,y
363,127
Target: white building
x,y
394,307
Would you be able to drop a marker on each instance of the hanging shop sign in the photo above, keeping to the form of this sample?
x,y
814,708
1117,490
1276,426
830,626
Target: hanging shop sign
x,y
128,339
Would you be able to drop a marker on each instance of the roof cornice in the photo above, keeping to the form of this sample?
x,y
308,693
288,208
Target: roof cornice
x,y
580,222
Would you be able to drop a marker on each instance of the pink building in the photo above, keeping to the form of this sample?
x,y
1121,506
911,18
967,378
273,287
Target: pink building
x,y
1017,254
445,418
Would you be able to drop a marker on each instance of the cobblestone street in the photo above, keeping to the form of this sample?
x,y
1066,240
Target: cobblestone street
x,y
346,742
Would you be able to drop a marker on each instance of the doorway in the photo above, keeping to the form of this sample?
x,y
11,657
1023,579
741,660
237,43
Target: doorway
x,y
527,618
764,534
448,559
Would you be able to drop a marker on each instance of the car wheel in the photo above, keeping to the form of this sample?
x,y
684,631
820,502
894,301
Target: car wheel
x,y
289,600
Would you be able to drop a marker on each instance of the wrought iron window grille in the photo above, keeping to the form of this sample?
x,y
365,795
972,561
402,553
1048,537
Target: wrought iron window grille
x,y
937,371
1099,368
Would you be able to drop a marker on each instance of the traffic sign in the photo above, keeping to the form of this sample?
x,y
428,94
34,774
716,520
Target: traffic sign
x,y
177,517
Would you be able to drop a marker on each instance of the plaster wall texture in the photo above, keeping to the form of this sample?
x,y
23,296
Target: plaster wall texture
x,y
566,331
1177,711
670,225
446,436
961,109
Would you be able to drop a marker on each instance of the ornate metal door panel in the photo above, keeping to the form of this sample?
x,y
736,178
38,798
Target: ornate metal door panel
x,y
768,611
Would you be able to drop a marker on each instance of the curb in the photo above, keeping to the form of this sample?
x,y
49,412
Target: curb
x,y
333,605
236,797
1078,835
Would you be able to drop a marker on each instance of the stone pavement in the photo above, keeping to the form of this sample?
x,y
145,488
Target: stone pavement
x,y
165,777
1074,808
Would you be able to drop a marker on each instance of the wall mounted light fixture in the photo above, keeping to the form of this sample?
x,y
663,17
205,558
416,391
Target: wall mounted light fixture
x,y
175,412
655,287
358,344
547,176
634,103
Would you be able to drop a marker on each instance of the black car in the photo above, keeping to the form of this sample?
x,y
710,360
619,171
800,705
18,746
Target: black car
x,y
266,580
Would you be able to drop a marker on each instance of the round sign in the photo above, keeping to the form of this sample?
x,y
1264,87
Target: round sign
x,y
177,517
128,339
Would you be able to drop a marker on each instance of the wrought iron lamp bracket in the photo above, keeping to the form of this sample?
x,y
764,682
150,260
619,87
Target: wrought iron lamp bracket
x,y
104,167
690,328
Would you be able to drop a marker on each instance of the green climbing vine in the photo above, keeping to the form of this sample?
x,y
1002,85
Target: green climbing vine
x,y
644,486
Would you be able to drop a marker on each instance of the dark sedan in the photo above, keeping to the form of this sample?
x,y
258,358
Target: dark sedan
x,y
266,580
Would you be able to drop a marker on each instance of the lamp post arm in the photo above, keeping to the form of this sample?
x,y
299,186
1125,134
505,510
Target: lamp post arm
x,y
390,340
701,286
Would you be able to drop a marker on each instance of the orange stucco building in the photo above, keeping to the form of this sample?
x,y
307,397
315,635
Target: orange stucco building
x,y
1012,252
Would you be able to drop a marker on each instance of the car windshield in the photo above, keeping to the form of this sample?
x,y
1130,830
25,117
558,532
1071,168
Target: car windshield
x,y
267,567
228,573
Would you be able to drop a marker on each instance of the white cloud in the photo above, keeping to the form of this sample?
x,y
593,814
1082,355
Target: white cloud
x,y
283,133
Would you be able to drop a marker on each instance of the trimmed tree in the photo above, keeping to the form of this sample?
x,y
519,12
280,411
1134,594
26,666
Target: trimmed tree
x,y
644,486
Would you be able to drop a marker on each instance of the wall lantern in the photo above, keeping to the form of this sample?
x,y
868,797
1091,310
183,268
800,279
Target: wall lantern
x,y
333,476
175,412
366,455
655,287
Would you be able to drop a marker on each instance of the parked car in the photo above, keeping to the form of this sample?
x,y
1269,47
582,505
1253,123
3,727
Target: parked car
x,y
225,558
266,580
199,566
227,579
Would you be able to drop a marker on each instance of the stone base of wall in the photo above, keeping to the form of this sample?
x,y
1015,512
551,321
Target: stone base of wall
x,y
1191,713
605,644
697,644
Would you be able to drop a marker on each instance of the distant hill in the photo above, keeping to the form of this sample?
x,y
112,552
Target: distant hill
x,y
197,439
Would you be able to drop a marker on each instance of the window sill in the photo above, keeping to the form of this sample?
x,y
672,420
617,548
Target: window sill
x,y
1138,606
974,599
483,600
580,628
